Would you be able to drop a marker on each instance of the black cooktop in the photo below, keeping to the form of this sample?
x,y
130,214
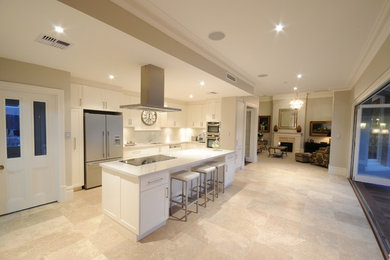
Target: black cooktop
x,y
148,159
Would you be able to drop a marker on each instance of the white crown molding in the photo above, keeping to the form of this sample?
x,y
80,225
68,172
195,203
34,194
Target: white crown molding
x,y
157,18
321,94
289,96
265,99
378,35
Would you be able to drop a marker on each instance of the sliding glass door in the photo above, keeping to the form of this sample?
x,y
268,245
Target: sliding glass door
x,y
372,140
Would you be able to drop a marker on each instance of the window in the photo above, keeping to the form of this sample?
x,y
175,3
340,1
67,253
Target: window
x,y
39,128
12,112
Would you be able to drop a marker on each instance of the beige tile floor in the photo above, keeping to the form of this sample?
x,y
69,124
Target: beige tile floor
x,y
275,209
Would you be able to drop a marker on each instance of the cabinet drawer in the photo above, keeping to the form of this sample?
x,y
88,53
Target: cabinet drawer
x,y
153,180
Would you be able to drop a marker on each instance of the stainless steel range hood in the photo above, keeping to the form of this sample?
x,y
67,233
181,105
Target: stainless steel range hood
x,y
152,91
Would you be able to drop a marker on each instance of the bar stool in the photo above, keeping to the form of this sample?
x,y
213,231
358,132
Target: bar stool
x,y
208,186
220,166
185,177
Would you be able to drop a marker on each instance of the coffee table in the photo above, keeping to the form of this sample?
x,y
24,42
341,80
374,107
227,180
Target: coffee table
x,y
277,151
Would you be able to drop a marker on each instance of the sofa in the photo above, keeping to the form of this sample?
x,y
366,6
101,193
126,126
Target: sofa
x,y
321,157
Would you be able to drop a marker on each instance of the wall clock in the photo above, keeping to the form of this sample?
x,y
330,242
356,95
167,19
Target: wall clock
x,y
149,117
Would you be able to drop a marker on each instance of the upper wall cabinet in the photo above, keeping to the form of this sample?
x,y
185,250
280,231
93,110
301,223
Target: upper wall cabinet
x,y
174,119
76,96
196,116
101,99
213,111
94,98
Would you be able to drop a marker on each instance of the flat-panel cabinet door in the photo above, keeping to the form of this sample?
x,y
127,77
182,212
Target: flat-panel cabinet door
x,y
114,136
154,210
95,136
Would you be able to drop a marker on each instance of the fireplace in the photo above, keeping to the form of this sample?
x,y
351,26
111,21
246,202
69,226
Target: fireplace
x,y
288,145
292,140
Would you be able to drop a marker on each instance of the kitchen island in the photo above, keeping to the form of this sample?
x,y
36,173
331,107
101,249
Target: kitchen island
x,y
137,197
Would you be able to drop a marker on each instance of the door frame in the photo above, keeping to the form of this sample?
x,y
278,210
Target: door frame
x,y
58,94
355,176
252,133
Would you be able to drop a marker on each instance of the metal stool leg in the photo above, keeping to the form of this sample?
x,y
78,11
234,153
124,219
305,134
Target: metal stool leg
x,y
223,179
197,194
170,200
186,201
205,189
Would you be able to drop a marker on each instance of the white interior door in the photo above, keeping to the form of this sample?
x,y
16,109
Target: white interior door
x,y
28,144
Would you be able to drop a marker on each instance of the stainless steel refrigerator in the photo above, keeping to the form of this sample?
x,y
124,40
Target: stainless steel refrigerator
x,y
103,135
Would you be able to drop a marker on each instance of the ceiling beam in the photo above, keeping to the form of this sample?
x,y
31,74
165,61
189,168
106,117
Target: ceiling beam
x,y
119,18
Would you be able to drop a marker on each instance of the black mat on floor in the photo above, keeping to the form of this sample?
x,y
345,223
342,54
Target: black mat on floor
x,y
376,201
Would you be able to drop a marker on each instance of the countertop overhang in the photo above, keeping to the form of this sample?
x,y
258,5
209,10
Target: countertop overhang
x,y
185,159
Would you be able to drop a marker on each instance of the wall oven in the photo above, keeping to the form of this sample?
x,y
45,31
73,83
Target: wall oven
x,y
211,138
213,127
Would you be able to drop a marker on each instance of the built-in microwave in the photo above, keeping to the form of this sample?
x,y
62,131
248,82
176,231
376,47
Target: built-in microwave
x,y
213,127
211,138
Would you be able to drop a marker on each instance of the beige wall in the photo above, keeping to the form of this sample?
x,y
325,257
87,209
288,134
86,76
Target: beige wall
x,y
318,109
31,74
341,133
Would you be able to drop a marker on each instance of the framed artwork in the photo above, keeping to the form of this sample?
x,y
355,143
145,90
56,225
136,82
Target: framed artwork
x,y
320,128
264,123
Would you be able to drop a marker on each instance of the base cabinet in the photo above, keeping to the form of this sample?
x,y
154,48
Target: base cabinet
x,y
154,207
141,205
229,169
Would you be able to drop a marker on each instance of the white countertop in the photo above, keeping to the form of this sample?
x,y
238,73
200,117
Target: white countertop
x,y
152,145
184,159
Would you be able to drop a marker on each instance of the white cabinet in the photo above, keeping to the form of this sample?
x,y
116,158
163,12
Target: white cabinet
x,y
213,111
229,169
154,207
139,204
99,99
77,148
196,116
76,96
174,119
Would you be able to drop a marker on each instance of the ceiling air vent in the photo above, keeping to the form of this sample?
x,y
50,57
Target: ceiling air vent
x,y
52,41
231,77
212,93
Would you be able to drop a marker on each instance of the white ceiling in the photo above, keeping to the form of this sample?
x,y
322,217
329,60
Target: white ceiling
x,y
324,40
98,50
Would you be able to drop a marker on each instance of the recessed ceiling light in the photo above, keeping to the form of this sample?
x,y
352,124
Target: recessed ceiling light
x,y
279,27
111,76
295,88
191,96
299,76
58,29
262,75
216,36
202,83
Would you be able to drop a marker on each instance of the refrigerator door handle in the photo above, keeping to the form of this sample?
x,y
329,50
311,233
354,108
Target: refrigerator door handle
x,y
107,144
103,143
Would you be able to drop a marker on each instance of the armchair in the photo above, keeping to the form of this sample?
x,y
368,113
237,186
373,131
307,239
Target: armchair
x,y
321,157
